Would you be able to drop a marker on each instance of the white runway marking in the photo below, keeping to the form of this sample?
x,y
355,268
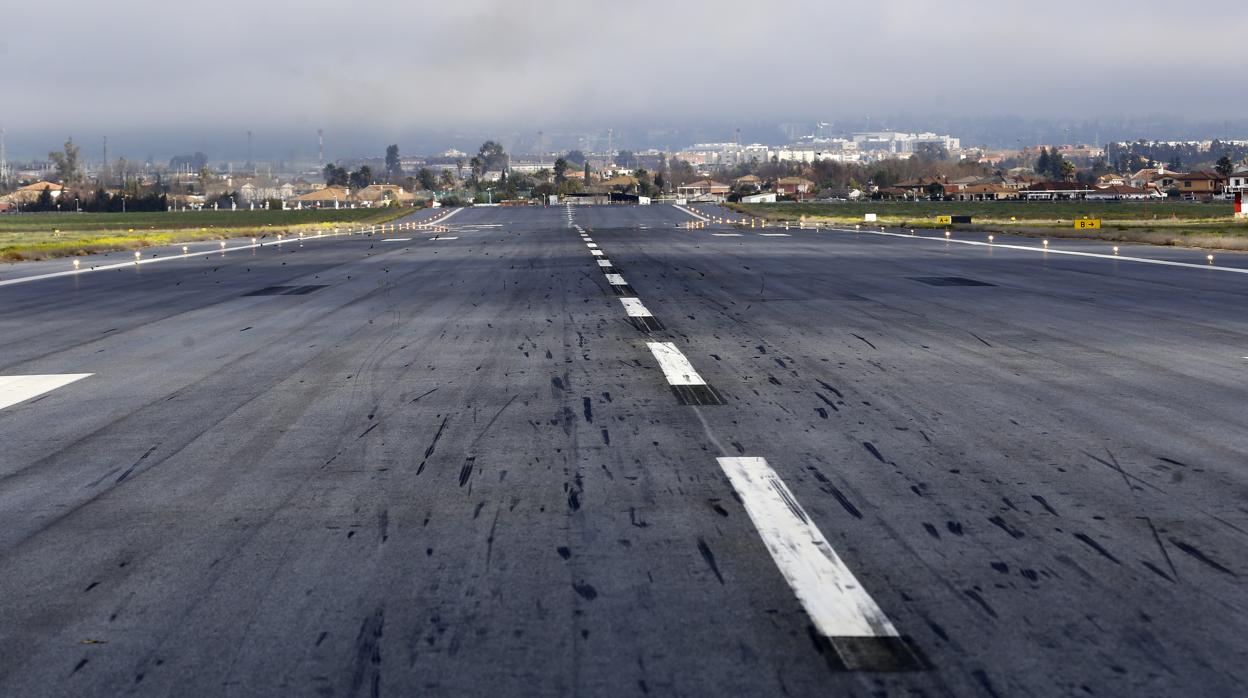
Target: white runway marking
x,y
436,239
175,256
591,245
691,212
726,235
15,389
634,308
774,235
596,253
616,280
604,263
395,239
1050,250
676,368
831,595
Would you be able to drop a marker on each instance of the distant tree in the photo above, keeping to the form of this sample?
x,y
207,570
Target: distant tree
x,y
477,166
1224,167
660,182
1043,165
66,163
544,190
645,186
931,152
1176,163
448,180
1066,169
336,176
428,180
586,173
576,157
362,177
561,171
492,157
626,159
394,168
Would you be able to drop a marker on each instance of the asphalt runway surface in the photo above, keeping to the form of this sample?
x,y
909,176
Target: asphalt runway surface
x,y
590,451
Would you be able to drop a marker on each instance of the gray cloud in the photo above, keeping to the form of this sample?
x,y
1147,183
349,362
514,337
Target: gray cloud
x,y
134,66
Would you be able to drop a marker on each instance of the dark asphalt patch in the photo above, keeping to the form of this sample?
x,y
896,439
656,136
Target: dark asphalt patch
x,y
697,395
949,281
286,290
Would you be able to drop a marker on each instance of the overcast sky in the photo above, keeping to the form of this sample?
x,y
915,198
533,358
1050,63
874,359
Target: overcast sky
x,y
189,72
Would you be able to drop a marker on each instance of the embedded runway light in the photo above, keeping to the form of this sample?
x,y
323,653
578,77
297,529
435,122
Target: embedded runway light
x,y
947,233
1210,258
253,241
76,263
1115,249
1046,244
137,255
990,239
223,244
185,249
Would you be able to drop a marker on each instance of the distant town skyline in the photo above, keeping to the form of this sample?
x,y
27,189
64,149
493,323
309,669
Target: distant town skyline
x,y
162,79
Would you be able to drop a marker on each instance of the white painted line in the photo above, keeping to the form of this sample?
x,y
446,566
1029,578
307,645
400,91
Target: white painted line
x,y
175,256
616,280
675,366
604,263
726,235
395,239
591,245
587,239
596,253
452,213
691,212
831,595
436,239
1049,250
15,389
774,235
634,308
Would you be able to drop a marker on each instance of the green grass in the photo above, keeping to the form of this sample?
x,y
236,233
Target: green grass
x,y
44,235
999,212
1187,224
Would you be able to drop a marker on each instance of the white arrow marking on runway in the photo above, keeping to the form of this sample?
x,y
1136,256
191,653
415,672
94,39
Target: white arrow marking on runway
x,y
828,590
676,368
15,389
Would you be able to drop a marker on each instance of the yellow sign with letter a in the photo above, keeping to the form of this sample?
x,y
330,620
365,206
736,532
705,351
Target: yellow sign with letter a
x,y
944,220
1088,224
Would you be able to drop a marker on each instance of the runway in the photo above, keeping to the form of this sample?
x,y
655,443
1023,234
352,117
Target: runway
x,y
589,451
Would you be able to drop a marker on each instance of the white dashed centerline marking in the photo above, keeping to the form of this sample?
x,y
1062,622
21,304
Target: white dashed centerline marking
x,y
441,238
592,245
774,235
604,263
15,389
726,235
676,368
843,613
616,280
634,307
828,590
596,253
395,239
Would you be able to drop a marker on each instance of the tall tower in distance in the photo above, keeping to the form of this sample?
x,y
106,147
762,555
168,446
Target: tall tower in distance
x,y
4,162
320,144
